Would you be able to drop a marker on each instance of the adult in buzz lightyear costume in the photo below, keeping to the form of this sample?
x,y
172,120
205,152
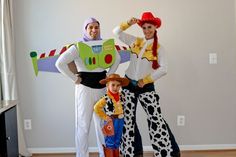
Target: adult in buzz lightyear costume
x,y
147,64
88,90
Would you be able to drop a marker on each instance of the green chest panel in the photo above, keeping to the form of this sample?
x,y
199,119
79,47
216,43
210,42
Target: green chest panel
x,y
97,54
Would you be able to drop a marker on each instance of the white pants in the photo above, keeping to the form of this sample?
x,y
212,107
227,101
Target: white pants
x,y
85,98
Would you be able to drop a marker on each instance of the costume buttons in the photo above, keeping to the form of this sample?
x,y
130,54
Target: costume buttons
x,y
108,58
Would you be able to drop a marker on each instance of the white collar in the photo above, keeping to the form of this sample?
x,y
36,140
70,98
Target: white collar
x,y
148,41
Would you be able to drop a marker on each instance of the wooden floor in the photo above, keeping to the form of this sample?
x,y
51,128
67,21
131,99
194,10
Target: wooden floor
x,y
229,153
218,153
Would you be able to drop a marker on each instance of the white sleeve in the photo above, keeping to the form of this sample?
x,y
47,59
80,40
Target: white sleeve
x,y
114,67
162,70
124,37
64,59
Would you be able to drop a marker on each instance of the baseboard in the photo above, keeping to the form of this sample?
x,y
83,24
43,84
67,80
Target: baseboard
x,y
146,148
208,147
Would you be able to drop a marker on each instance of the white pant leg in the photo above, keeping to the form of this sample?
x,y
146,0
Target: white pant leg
x,y
85,98
98,123
83,116
100,137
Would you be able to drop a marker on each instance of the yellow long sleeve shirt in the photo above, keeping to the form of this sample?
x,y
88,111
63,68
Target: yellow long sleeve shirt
x,y
108,106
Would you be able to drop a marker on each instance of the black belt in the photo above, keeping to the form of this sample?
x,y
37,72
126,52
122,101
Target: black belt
x,y
91,79
119,116
134,88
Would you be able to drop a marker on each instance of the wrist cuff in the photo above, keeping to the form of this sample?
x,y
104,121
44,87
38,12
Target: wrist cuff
x,y
124,26
148,79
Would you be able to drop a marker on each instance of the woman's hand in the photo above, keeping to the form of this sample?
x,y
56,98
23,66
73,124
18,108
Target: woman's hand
x,y
132,21
141,83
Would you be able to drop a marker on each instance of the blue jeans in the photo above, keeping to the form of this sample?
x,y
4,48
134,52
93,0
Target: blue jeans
x,y
114,141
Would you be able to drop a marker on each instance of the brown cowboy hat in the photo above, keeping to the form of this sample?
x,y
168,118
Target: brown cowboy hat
x,y
115,77
148,17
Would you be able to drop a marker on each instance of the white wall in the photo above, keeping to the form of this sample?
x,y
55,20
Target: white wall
x,y
191,30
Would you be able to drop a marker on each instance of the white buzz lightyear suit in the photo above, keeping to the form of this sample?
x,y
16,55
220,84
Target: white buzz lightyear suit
x,y
86,95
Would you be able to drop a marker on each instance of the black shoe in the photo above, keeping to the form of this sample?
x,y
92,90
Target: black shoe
x,y
139,154
177,154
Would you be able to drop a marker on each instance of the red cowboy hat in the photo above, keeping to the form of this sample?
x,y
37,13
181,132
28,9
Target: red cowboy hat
x,y
148,17
115,77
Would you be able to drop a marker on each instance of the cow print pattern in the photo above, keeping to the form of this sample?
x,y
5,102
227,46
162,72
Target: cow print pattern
x,y
127,140
158,131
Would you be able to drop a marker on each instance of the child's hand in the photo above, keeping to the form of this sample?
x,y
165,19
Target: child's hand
x,y
108,119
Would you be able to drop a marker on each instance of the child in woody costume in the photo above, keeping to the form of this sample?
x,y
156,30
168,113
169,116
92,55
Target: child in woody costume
x,y
110,109
147,65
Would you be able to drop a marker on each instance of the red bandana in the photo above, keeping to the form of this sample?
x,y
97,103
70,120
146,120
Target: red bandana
x,y
116,96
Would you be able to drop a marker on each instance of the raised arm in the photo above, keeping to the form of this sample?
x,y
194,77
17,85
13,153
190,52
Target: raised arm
x,y
124,37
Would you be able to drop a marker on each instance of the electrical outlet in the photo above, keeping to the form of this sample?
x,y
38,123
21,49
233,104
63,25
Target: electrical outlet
x,y
212,58
27,124
180,120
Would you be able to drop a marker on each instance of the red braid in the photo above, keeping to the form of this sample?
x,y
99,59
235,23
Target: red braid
x,y
155,64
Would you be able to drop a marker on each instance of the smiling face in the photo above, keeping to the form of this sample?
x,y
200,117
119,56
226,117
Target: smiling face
x,y
148,30
114,86
93,30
